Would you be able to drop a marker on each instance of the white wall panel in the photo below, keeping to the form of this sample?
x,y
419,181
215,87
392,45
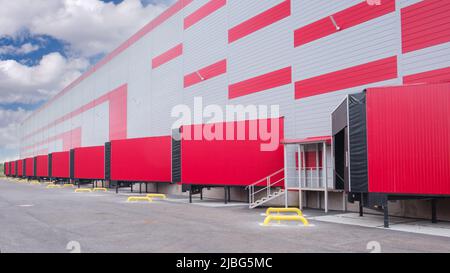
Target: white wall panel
x,y
308,11
405,3
204,45
168,35
426,59
370,41
240,11
166,92
139,88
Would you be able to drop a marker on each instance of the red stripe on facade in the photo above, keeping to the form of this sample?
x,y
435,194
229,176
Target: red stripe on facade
x,y
117,113
376,71
70,140
434,76
163,17
203,12
425,24
205,73
267,81
167,56
344,19
260,21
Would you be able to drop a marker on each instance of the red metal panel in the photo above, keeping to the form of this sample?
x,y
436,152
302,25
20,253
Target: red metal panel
x,y
408,133
29,167
167,56
434,76
142,159
260,21
204,11
227,161
61,165
42,166
13,168
425,24
264,82
20,167
376,71
206,73
89,163
345,19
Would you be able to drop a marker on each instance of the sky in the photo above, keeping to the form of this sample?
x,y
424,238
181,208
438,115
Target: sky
x,y
46,44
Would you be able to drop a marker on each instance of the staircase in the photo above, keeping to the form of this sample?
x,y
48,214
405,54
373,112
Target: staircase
x,y
268,188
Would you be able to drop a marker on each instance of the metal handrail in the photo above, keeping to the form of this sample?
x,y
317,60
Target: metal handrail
x,y
265,178
260,190
269,185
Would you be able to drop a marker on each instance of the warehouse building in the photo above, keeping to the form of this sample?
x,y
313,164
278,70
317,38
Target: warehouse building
x,y
120,121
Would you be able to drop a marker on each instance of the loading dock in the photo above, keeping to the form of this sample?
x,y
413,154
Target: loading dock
x,y
383,139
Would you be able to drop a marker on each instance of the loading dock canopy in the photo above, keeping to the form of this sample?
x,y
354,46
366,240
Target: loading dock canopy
x,y
89,162
229,162
141,159
394,140
29,167
60,164
42,166
309,140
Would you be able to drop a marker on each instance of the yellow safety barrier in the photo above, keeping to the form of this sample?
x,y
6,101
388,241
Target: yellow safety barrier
x,y
285,218
68,186
53,187
297,211
35,183
139,198
83,190
101,189
157,195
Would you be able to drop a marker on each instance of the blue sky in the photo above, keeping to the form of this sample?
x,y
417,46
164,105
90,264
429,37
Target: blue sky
x,y
44,45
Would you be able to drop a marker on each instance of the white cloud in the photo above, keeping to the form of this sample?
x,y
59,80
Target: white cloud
x,y
90,27
23,49
20,83
9,126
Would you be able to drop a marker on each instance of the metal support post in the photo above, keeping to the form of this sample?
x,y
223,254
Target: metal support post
x,y
434,211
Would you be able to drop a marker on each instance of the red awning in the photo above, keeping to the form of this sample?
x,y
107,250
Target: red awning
x,y
309,140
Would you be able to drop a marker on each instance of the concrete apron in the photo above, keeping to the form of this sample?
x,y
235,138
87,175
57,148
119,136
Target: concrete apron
x,y
396,223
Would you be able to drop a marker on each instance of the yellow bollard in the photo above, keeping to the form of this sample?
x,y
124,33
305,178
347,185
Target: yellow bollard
x,y
53,187
285,218
101,189
35,183
157,195
83,190
297,211
139,198
68,186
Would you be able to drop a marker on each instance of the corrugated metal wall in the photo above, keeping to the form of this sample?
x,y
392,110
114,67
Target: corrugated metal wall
x,y
239,44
